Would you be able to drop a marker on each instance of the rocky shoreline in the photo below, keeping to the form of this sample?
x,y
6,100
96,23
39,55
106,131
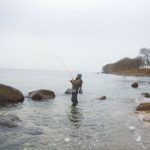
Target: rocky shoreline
x,y
131,72
138,72
11,95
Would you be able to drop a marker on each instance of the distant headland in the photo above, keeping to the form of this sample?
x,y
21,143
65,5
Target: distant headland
x,y
138,66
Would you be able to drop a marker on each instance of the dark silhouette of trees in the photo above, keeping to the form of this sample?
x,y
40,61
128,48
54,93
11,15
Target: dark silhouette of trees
x,y
128,63
139,64
123,64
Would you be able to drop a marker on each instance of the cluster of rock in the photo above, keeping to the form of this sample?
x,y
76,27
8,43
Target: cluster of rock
x,y
12,95
144,108
133,85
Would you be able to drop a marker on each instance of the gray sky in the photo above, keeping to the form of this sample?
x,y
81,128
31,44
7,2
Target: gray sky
x,y
84,34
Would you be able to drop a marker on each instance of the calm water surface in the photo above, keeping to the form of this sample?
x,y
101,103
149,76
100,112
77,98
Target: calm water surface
x,y
91,125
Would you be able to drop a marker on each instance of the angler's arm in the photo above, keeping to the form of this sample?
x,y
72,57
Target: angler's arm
x,y
74,82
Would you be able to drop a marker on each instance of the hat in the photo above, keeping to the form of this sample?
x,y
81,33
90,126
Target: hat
x,y
79,75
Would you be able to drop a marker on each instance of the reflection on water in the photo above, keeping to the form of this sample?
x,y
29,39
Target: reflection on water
x,y
75,116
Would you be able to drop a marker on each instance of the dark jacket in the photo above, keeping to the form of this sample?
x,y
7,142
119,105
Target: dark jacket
x,y
76,84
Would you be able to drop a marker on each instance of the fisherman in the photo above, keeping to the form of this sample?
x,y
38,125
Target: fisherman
x,y
76,88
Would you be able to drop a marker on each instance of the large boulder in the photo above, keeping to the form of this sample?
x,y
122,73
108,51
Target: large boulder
x,y
41,94
134,85
143,107
10,95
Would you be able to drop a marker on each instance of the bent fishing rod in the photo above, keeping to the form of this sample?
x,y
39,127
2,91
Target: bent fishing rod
x,y
61,62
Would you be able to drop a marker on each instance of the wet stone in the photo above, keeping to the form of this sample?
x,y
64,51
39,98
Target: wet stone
x,y
9,121
103,98
41,95
143,107
10,95
147,95
134,85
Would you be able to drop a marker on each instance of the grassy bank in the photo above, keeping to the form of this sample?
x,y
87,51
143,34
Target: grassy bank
x,y
133,72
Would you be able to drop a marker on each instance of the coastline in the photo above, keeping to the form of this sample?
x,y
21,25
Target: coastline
x,y
132,72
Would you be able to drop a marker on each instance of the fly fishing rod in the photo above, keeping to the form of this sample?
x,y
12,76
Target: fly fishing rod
x,y
61,62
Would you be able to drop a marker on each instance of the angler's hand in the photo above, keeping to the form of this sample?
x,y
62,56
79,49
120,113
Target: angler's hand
x,y
71,80
80,91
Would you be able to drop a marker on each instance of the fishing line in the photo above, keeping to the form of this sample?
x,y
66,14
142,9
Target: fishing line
x,y
61,62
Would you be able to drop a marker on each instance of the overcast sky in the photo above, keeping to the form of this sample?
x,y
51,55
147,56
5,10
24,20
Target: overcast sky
x,y
83,34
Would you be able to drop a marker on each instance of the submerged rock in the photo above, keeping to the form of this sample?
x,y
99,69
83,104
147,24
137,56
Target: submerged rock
x,y
34,131
143,107
10,95
135,85
103,98
147,95
68,91
41,94
146,118
9,121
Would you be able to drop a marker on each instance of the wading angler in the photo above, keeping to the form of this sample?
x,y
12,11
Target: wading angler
x,y
76,88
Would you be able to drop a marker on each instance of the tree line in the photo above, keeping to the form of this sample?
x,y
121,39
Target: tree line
x,y
141,61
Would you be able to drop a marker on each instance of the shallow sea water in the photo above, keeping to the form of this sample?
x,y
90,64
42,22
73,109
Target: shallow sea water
x,y
93,124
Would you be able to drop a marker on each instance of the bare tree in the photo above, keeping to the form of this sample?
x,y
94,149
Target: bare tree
x,y
145,54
